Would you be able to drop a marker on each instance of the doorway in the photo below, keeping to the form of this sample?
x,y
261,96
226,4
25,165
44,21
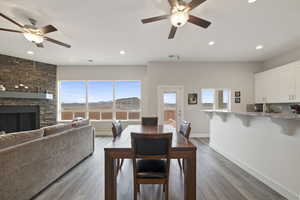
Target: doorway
x,y
170,105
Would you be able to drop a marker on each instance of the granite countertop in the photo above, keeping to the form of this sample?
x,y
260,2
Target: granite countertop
x,y
259,114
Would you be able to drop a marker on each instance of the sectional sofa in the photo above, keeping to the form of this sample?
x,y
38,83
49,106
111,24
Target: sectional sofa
x,y
32,160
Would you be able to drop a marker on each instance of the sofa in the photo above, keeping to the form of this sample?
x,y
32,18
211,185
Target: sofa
x,y
32,160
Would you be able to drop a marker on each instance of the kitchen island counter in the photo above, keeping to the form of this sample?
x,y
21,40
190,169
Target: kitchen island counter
x,y
258,114
266,145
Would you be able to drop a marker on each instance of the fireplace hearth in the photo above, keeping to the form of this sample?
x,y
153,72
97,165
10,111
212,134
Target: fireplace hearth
x,y
19,118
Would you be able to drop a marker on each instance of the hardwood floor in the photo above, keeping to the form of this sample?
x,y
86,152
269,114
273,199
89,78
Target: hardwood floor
x,y
217,179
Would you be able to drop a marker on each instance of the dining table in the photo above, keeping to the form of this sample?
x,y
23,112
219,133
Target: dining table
x,y
120,148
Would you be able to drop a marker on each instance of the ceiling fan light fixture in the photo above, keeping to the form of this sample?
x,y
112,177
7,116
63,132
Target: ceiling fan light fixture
x,y
179,18
34,38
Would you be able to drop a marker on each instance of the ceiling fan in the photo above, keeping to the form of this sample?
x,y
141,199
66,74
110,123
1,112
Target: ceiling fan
x,y
179,15
34,34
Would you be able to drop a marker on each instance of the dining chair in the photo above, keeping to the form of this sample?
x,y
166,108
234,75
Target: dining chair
x,y
185,130
117,130
151,161
150,121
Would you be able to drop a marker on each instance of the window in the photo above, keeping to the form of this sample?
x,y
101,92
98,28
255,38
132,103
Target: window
x,y
216,98
127,96
100,100
208,96
223,99
72,98
170,108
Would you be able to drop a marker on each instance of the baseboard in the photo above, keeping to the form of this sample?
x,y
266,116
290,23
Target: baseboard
x,y
266,180
199,135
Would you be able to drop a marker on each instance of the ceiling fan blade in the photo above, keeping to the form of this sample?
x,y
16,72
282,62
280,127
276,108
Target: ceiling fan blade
x,y
172,32
40,45
195,3
10,30
11,20
173,3
57,42
154,19
48,29
198,21
32,21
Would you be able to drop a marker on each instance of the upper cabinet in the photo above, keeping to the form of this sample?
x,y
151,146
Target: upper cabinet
x,y
279,85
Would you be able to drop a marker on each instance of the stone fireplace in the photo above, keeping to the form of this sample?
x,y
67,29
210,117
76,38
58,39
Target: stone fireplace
x,y
38,77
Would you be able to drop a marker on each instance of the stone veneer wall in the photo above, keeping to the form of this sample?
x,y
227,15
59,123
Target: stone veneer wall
x,y
35,75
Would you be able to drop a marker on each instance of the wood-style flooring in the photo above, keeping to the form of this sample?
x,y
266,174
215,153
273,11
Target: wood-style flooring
x,y
217,179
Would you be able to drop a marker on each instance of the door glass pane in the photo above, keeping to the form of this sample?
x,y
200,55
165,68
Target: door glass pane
x,y
170,105
100,95
128,95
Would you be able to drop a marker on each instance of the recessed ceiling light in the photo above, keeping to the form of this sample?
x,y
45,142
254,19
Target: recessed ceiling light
x,y
258,47
211,43
122,52
30,52
251,1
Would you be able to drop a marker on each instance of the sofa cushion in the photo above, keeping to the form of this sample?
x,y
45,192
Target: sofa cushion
x,y
80,123
58,128
12,139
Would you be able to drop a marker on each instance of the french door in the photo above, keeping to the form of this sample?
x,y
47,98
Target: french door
x,y
170,105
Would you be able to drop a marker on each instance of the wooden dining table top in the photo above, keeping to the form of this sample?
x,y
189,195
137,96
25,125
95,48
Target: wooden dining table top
x,y
124,140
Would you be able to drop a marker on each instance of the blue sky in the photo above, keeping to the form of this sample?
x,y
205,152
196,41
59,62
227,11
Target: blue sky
x,y
74,91
170,98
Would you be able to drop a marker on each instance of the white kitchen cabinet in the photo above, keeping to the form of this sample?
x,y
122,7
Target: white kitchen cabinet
x,y
297,77
279,85
272,83
287,89
260,83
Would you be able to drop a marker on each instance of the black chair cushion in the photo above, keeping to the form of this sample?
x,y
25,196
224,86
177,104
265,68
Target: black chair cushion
x,y
151,168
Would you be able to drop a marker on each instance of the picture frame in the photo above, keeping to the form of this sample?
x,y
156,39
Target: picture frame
x,y
192,98
237,94
237,100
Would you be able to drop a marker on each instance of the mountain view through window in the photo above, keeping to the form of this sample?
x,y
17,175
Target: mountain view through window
x,y
100,100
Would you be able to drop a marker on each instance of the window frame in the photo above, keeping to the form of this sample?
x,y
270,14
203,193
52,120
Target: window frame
x,y
114,110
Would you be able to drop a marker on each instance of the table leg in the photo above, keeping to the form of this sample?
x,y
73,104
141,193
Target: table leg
x,y
110,177
190,177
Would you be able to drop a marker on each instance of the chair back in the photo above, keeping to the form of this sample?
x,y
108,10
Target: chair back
x,y
185,129
116,128
151,146
149,121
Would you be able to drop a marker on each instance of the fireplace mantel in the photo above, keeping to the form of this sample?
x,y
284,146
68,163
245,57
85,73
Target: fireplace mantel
x,y
26,95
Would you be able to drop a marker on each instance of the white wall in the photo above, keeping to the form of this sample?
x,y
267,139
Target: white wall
x,y
194,76
262,149
288,57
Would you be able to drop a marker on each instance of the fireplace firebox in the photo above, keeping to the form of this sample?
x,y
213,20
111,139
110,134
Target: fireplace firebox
x,y
19,118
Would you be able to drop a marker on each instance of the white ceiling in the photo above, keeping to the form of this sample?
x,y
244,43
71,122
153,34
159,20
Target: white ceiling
x,y
99,29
